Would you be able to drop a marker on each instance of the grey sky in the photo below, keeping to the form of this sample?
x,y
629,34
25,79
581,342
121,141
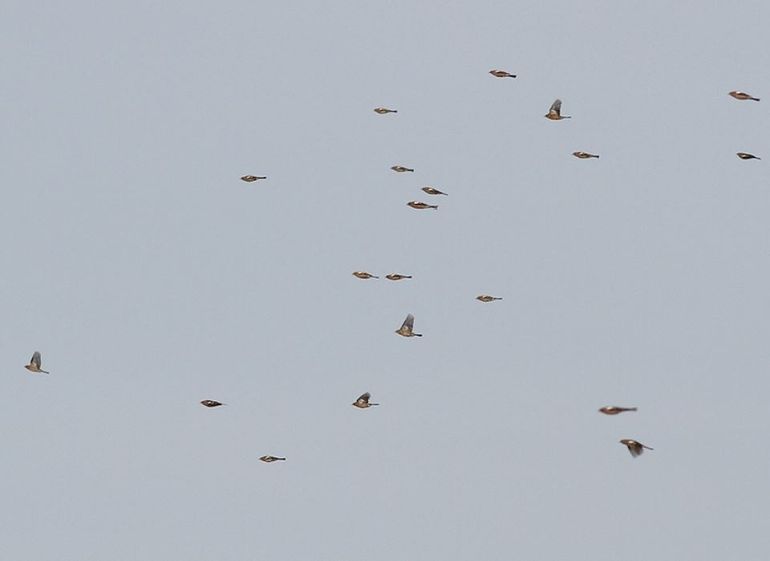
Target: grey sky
x,y
150,278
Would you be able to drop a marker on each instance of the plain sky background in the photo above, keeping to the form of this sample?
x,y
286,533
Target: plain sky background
x,y
150,277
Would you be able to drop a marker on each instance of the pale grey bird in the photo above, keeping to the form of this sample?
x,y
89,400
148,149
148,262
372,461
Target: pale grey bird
x,y
487,298
384,110
407,328
252,178
35,364
400,169
269,459
554,113
636,448
363,401
614,409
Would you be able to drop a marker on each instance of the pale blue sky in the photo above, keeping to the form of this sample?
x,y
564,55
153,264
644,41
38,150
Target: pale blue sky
x,y
150,278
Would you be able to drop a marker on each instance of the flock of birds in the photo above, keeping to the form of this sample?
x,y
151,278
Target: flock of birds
x,y
635,447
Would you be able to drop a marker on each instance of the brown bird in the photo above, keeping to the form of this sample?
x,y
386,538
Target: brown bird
x,y
747,156
252,178
35,364
487,298
584,155
743,96
614,410
269,459
432,191
397,277
364,275
501,74
384,110
406,329
211,403
636,448
421,206
363,401
554,113
400,169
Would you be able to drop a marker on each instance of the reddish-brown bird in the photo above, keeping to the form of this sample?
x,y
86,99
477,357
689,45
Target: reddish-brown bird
x,y
743,96
636,448
614,409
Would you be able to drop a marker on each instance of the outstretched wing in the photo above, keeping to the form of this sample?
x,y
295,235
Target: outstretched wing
x,y
364,398
408,322
556,107
36,360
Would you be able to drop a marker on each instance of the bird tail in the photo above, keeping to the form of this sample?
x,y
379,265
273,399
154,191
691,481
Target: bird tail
x,y
434,207
631,409
373,404
43,371
754,98
417,334
567,117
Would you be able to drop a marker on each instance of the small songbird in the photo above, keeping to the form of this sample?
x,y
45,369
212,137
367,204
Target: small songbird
x,y
211,403
554,113
35,364
269,459
636,448
432,191
364,275
487,298
363,401
614,409
421,206
397,277
743,96
747,156
384,110
252,178
584,155
400,169
501,74
406,329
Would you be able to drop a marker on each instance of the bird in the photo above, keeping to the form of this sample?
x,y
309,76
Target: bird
x,y
487,298
252,178
432,191
268,459
397,277
584,155
406,329
421,206
554,113
364,275
35,364
743,96
363,401
501,74
614,409
384,110
747,156
211,403
636,448
400,169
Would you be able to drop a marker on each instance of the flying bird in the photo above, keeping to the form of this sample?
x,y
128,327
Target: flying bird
x,y
397,277
35,364
406,329
743,96
268,459
211,403
501,74
554,113
584,155
364,275
384,110
487,298
747,156
432,191
421,206
636,448
614,409
363,401
252,178
400,169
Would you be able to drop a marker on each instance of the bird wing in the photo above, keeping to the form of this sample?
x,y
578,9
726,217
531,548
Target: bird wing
x,y
409,322
36,359
364,397
555,107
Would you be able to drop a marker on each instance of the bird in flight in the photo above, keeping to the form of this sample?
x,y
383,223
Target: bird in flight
x,y
363,401
384,110
614,409
400,169
486,298
636,448
252,178
747,156
397,277
364,275
211,403
269,459
501,74
421,206
407,328
35,364
432,191
743,96
554,113
584,155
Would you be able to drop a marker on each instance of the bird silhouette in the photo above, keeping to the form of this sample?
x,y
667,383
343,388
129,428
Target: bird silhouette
x,y
636,448
252,178
501,74
743,96
747,156
421,206
397,277
269,459
487,298
584,155
432,191
211,403
407,328
35,364
400,169
364,275
554,113
363,401
614,409
384,110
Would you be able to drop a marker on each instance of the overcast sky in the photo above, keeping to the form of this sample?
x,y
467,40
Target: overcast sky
x,y
150,277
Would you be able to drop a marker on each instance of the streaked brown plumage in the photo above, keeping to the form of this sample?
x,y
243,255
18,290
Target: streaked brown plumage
x,y
747,156
384,110
363,401
252,178
35,364
269,459
397,277
614,409
501,74
433,191
554,113
584,155
364,275
211,403
743,96
421,206
487,298
636,448
407,328
400,169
